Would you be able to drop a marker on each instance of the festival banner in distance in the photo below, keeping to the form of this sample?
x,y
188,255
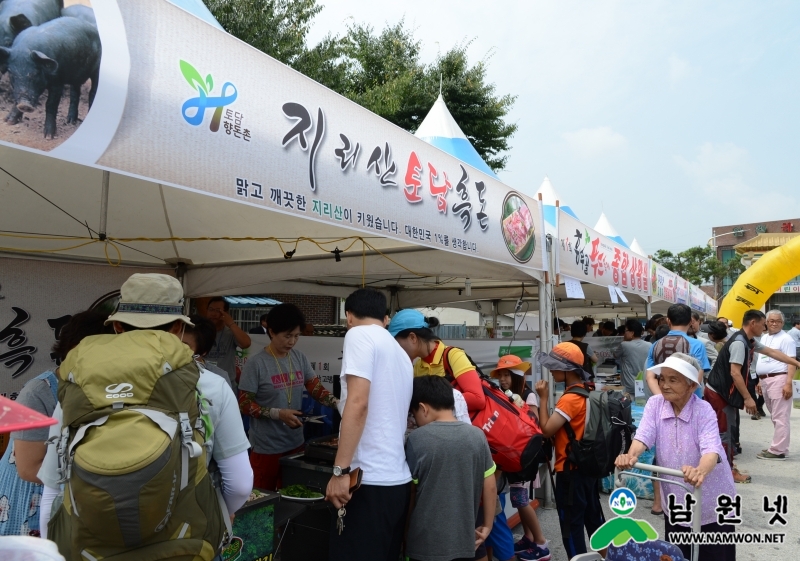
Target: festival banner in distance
x,y
169,98
697,299
711,306
681,291
588,256
662,282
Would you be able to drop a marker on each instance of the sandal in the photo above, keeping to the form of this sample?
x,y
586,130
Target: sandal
x,y
656,513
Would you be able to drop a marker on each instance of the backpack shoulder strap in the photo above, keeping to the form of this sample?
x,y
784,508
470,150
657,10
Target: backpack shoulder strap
x,y
584,393
579,390
448,369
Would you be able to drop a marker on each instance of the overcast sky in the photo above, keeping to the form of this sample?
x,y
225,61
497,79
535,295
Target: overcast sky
x,y
672,117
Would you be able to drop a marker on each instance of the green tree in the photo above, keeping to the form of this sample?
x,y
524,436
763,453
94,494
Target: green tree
x,y
381,71
275,27
699,265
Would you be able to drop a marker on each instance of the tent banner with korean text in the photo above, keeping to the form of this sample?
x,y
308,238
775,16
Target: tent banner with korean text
x,y
697,298
181,103
587,256
681,291
711,306
662,282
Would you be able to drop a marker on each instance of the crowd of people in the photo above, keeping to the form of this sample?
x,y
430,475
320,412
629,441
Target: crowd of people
x,y
428,487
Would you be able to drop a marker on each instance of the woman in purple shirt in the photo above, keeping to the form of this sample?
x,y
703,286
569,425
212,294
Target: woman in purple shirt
x,y
684,430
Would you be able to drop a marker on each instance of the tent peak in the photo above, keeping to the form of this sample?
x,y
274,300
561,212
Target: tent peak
x,y
637,248
440,129
605,228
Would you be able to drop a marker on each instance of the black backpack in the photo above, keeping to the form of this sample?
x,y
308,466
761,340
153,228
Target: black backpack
x,y
608,433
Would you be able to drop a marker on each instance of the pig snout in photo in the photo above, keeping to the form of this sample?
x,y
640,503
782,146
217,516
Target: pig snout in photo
x,y
62,52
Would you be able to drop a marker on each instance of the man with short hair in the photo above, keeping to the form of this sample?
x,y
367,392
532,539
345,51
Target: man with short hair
x,y
606,329
794,333
679,318
726,390
694,325
728,324
261,328
632,355
578,332
775,384
229,336
377,382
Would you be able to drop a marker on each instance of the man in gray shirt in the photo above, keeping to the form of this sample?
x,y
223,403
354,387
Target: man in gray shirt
x,y
452,469
632,355
794,333
229,336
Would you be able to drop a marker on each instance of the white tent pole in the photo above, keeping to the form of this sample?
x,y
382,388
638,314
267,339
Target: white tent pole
x,y
648,308
495,306
104,205
545,346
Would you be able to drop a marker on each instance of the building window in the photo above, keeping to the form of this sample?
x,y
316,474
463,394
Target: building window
x,y
727,282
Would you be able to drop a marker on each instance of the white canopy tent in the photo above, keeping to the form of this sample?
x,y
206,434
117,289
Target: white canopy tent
x,y
139,184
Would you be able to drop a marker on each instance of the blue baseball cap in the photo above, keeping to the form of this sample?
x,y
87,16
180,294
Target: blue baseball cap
x,y
406,319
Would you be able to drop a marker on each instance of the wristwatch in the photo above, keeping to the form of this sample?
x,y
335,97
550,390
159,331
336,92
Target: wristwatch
x,y
340,471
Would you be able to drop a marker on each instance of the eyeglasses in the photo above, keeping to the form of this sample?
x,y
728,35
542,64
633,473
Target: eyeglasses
x,y
774,321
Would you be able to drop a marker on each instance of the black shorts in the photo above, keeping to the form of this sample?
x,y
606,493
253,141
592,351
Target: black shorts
x,y
373,525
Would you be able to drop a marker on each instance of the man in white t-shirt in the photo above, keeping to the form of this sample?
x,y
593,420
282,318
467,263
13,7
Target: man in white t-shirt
x,y
775,384
377,382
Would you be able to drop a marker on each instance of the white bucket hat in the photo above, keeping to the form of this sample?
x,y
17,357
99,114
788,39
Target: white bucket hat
x,y
678,365
149,300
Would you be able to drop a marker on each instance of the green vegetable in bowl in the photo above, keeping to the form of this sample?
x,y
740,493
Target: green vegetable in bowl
x,y
300,492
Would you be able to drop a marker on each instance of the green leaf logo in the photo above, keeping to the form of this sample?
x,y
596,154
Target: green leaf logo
x,y
620,531
192,76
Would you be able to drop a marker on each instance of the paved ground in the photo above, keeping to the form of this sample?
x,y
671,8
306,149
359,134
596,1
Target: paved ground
x,y
769,478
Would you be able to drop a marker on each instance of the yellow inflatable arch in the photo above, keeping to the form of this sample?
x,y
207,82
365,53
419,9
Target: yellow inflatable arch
x,y
754,287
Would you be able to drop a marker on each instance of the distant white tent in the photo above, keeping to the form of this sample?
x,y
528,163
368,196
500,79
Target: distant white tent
x,y
604,227
441,130
199,9
549,198
638,248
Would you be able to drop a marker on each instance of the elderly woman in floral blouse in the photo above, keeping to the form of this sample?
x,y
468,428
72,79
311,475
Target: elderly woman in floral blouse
x,y
684,430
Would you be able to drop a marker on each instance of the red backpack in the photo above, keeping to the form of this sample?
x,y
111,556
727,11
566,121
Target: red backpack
x,y
514,435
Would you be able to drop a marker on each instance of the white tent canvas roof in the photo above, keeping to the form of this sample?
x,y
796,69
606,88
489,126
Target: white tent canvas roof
x,y
387,200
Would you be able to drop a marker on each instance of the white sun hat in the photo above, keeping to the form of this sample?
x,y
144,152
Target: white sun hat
x,y
679,365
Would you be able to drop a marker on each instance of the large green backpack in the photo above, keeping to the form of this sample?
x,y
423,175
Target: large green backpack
x,y
133,454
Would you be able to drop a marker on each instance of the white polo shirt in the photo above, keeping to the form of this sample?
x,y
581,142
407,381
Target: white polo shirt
x,y
782,342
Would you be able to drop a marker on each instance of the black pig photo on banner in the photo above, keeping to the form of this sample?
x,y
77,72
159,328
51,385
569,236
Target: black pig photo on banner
x,y
49,69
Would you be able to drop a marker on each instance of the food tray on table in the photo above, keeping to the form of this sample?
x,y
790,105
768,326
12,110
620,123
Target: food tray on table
x,y
323,448
300,493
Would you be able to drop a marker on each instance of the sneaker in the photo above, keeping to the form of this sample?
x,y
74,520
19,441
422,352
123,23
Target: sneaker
x,y
755,417
535,553
739,477
762,413
767,455
523,544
